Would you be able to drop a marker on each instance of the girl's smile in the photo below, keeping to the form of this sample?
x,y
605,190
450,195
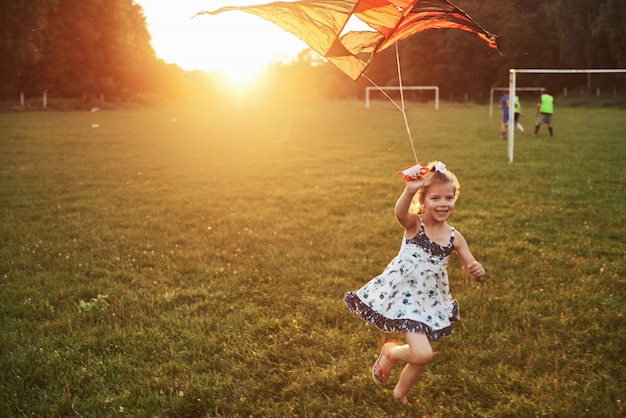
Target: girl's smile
x,y
439,202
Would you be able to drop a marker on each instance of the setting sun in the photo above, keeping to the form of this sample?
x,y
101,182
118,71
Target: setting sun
x,y
239,73
235,43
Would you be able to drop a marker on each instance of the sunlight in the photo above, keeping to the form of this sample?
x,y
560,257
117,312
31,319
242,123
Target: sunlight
x,y
237,44
240,74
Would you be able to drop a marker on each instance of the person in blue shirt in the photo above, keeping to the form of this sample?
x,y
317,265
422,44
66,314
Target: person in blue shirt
x,y
504,108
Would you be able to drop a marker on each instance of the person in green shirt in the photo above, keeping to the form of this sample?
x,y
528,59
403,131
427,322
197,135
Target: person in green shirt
x,y
518,113
545,110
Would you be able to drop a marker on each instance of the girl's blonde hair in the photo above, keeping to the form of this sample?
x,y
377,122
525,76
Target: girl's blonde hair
x,y
434,176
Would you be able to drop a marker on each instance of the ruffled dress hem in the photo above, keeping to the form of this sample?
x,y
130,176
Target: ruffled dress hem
x,y
385,324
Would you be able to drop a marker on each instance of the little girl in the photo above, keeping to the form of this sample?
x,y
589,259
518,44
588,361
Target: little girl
x,y
412,295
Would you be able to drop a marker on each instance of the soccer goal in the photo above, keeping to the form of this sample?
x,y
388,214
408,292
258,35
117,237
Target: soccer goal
x,y
404,88
513,80
494,89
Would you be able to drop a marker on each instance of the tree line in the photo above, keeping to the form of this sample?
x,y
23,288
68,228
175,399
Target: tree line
x,y
580,34
100,50
90,49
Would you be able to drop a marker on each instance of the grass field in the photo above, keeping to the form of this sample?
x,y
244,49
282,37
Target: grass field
x,y
190,261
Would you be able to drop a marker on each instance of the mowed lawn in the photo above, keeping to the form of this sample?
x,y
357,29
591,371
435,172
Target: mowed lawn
x,y
191,260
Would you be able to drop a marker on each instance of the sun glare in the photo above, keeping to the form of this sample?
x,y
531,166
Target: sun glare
x,y
240,74
236,44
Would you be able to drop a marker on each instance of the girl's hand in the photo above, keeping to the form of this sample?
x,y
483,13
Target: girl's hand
x,y
415,183
476,271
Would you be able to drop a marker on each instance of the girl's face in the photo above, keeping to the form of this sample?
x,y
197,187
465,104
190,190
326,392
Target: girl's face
x,y
438,201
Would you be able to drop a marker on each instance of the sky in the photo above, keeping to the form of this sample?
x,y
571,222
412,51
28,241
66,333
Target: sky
x,y
236,43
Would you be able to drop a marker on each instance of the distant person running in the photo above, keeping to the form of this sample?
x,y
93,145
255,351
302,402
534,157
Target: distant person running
x,y
504,107
545,110
412,295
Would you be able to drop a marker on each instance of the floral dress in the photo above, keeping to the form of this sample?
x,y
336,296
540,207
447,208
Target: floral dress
x,y
412,293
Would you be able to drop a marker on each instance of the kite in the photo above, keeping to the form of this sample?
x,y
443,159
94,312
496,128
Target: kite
x,y
321,24
326,26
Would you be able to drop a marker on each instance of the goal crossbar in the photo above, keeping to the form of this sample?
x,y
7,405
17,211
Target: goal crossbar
x,y
397,88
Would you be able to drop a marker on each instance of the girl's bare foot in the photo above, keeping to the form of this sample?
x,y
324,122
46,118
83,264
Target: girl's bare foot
x,y
401,399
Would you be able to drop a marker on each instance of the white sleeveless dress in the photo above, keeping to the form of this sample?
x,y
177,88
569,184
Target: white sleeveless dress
x,y
412,294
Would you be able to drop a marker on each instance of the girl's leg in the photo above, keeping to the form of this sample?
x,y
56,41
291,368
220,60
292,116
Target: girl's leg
x,y
417,354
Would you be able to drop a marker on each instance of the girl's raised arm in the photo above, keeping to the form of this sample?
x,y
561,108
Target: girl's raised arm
x,y
408,220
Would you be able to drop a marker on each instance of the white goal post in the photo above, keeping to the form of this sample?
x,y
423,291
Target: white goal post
x,y
512,80
397,88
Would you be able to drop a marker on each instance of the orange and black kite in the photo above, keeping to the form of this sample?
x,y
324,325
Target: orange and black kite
x,y
321,23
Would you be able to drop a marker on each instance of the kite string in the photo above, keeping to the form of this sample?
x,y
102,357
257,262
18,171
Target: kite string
x,y
400,107
403,110
382,91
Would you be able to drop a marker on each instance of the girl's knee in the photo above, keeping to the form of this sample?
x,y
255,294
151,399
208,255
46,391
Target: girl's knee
x,y
421,355
420,350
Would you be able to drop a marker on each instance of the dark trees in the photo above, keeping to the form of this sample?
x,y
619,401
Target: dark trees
x,y
532,34
75,48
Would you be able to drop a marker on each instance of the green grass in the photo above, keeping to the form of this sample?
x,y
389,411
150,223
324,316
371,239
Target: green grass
x,y
211,246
